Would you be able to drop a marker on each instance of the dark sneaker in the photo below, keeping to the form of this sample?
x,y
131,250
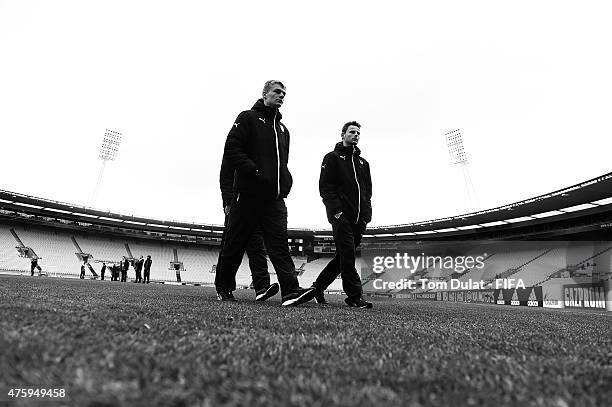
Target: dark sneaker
x,y
266,293
358,303
320,297
226,296
299,296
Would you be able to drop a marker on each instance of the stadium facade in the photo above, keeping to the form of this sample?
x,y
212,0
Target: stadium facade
x,y
560,243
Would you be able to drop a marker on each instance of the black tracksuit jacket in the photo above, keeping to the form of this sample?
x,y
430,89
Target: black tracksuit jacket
x,y
257,147
226,182
345,184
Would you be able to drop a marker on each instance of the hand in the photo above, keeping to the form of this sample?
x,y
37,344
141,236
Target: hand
x,y
226,210
337,216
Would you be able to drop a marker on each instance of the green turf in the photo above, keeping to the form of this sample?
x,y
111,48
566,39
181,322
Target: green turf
x,y
126,344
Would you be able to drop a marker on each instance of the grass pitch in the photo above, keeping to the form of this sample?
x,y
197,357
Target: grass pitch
x,y
114,344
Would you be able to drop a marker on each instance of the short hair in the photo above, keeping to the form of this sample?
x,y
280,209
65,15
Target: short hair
x,y
268,85
346,126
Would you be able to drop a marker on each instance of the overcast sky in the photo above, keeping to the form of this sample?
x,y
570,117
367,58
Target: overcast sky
x,y
529,84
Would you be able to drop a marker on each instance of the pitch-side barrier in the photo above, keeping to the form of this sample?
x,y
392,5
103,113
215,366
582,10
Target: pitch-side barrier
x,y
563,293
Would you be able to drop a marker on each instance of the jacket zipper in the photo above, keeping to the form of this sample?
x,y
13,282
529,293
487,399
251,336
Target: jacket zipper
x,y
277,158
358,188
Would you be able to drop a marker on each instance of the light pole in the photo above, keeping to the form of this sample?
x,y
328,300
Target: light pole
x,y
108,152
454,141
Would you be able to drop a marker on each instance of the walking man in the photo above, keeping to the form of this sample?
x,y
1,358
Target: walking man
x,y
102,271
34,265
257,147
346,188
255,249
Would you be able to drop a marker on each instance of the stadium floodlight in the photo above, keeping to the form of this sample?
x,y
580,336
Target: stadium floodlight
x,y
454,141
110,145
108,152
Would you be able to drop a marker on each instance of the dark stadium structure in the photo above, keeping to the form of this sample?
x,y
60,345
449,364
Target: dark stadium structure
x,y
579,213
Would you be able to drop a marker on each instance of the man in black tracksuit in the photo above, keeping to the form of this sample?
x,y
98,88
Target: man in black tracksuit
x,y
255,249
257,147
125,265
345,185
138,269
115,270
147,269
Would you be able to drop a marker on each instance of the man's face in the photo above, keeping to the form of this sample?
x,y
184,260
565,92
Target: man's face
x,y
275,96
351,136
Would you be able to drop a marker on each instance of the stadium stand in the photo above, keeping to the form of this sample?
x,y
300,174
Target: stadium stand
x,y
161,255
582,260
579,216
105,249
540,268
504,263
198,264
9,258
56,250
244,279
532,262
314,268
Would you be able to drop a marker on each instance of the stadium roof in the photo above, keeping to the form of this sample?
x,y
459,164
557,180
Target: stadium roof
x,y
592,196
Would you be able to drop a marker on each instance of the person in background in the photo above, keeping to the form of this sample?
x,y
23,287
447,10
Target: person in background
x,y
125,265
115,272
34,265
138,269
147,269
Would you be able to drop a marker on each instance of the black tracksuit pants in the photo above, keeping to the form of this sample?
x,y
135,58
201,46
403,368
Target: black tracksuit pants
x,y
247,213
258,263
347,236
147,274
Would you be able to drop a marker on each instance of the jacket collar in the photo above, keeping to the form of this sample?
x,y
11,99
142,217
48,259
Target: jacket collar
x,y
341,149
267,111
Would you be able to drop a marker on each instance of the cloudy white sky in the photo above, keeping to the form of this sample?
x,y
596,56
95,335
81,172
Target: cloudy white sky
x,y
527,82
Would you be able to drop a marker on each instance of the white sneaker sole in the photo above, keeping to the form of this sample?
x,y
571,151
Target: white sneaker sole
x,y
264,296
305,297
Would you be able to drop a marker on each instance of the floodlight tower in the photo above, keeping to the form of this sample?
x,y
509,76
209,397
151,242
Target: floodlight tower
x,y
108,152
454,141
